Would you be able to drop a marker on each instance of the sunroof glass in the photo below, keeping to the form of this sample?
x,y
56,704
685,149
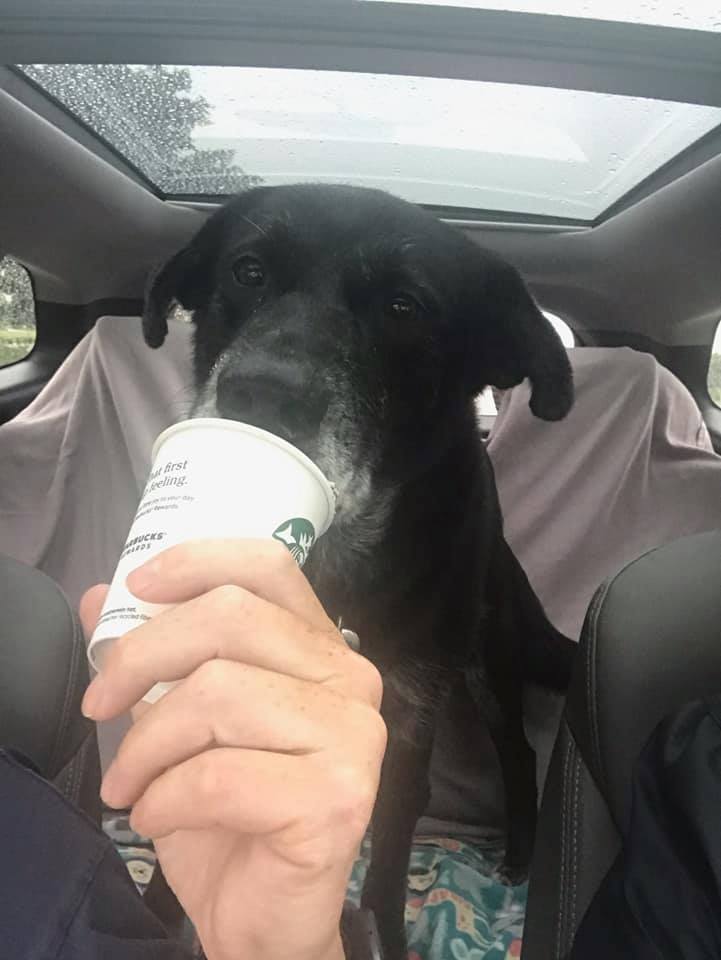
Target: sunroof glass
x,y
692,14
510,148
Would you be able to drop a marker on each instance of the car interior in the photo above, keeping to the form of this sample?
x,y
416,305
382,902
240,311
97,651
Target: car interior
x,y
581,141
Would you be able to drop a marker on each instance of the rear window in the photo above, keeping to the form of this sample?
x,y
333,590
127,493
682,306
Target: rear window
x,y
714,369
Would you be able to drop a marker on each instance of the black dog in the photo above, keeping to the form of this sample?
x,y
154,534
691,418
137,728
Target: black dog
x,y
361,329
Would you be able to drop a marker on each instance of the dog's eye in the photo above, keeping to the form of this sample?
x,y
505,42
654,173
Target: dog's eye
x,y
249,272
403,307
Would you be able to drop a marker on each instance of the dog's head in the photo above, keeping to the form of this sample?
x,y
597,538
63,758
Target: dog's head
x,y
353,324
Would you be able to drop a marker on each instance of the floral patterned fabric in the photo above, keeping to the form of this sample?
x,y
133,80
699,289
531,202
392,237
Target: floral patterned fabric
x,y
136,851
457,908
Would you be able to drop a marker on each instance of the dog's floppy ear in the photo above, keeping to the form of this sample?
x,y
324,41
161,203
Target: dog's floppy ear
x,y
511,340
185,278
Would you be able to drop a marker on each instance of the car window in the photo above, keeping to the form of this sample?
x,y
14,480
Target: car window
x,y
714,369
17,312
568,338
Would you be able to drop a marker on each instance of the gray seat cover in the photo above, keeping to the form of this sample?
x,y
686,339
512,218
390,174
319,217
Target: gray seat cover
x,y
630,468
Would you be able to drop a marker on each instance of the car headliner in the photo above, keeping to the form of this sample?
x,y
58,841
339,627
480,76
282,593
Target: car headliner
x,y
647,274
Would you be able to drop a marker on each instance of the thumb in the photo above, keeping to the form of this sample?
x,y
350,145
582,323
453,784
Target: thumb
x,y
91,604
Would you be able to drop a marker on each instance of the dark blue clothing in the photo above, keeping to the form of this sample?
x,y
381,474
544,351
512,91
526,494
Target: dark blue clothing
x,y
65,893
661,900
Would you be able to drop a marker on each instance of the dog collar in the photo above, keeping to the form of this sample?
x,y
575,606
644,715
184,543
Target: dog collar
x,y
350,636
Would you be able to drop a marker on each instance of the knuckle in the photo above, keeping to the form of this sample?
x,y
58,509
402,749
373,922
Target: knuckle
x,y
368,680
377,735
213,779
216,779
280,558
122,655
368,728
209,678
352,794
226,599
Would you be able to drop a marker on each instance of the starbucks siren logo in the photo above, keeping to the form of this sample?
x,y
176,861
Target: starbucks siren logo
x,y
298,535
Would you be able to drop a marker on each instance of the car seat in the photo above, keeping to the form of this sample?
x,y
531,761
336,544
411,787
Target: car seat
x,y
43,675
650,644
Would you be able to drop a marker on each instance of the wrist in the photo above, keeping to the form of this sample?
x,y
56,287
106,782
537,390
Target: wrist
x,y
334,951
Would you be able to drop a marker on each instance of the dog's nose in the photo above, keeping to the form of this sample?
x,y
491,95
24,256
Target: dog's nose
x,y
282,405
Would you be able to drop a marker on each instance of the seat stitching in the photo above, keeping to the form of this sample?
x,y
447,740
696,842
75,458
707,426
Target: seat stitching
x,y
562,846
78,762
69,695
592,652
560,850
575,859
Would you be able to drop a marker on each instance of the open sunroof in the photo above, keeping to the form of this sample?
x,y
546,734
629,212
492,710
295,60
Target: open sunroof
x,y
516,149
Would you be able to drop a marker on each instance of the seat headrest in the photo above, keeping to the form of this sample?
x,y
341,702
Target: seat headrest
x,y
650,643
630,468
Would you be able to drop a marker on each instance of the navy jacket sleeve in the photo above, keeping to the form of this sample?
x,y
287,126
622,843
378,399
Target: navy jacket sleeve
x,y
662,897
65,893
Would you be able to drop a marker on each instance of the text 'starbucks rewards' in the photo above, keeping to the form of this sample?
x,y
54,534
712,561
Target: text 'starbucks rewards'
x,y
214,478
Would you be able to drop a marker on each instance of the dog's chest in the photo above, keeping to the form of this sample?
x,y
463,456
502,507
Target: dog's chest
x,y
399,621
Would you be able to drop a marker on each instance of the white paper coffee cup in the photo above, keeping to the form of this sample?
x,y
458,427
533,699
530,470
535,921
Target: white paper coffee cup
x,y
214,478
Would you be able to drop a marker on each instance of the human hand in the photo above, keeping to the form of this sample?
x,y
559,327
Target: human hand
x,y
256,775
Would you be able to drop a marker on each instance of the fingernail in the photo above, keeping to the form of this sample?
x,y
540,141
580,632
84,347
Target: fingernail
x,y
142,578
110,784
93,699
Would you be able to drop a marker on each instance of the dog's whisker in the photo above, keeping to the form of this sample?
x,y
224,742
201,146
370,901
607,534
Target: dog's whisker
x,y
257,226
